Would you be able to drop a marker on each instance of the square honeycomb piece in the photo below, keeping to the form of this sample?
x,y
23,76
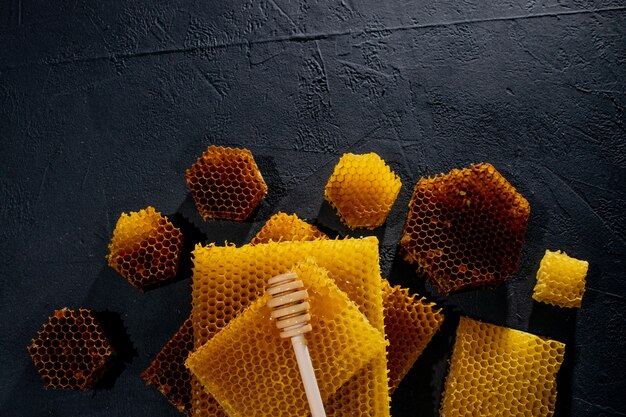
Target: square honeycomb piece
x,y
362,189
496,371
410,323
465,228
282,226
168,373
227,279
252,371
226,183
72,350
145,248
561,280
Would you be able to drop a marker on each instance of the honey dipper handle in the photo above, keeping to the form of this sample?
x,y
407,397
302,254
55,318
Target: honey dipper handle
x,y
308,376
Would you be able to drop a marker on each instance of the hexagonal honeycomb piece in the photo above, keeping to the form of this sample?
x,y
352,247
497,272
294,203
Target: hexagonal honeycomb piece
x,y
496,371
283,227
168,373
145,248
561,280
362,189
465,228
226,183
72,350
252,371
410,324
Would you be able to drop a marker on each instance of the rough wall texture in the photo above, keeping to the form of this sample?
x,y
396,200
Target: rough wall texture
x,y
102,107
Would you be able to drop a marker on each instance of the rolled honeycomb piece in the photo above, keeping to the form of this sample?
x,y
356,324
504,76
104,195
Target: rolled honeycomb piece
x,y
228,279
282,227
496,371
561,280
145,248
226,183
252,371
168,373
465,228
72,350
410,324
362,189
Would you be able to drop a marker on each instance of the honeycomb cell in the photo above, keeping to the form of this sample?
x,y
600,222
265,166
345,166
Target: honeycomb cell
x,y
410,323
499,371
342,342
561,280
226,183
168,373
465,228
145,248
244,271
284,227
72,350
362,189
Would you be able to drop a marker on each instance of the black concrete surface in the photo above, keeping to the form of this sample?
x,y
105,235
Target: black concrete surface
x,y
104,104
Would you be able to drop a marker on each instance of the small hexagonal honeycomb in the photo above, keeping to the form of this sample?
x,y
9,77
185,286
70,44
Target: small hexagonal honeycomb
x,y
72,350
465,228
282,226
228,279
410,324
496,371
168,373
561,280
362,189
226,183
145,248
252,371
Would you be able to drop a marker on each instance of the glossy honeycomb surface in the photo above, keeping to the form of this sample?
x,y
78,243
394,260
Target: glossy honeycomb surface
x,y
410,323
561,280
465,228
362,189
227,279
252,371
496,371
168,374
145,248
72,350
226,183
284,227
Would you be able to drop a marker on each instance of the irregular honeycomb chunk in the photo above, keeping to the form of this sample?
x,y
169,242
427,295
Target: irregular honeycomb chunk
x,y
496,371
226,183
362,189
228,279
72,350
410,323
465,228
168,373
282,227
252,371
145,248
561,280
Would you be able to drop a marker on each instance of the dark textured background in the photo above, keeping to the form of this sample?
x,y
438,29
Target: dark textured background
x,y
103,106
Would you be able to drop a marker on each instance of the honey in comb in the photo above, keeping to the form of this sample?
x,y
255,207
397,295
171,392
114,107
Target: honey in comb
x,y
465,228
362,189
72,350
168,374
145,248
410,323
496,371
561,280
227,279
226,183
252,371
284,227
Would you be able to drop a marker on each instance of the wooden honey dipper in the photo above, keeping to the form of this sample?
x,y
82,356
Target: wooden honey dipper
x,y
290,309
